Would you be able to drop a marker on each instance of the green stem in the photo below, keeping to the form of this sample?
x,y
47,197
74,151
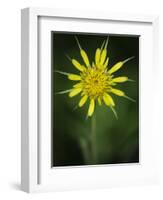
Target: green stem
x,y
85,150
93,138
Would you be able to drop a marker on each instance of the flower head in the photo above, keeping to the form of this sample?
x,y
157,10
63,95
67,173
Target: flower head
x,y
96,82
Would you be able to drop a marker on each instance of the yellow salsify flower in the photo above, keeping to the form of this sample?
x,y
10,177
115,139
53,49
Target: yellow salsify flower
x,y
96,82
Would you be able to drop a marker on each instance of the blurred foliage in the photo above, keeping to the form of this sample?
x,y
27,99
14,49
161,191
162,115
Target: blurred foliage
x,y
117,140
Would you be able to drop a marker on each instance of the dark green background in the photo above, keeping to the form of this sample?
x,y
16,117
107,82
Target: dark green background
x,y
117,140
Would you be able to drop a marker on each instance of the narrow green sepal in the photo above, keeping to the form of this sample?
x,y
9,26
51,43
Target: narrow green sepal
x,y
114,111
63,92
60,72
129,98
131,80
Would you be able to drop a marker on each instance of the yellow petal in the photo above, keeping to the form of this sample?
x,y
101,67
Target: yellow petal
x,y
83,100
78,65
85,57
117,92
91,107
106,63
120,79
99,101
118,65
74,92
78,85
97,56
104,52
74,77
103,56
108,100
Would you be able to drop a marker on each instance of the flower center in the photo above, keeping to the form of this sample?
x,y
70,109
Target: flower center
x,y
95,82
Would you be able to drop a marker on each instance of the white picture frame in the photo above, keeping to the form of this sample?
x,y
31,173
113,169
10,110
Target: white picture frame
x,y
36,171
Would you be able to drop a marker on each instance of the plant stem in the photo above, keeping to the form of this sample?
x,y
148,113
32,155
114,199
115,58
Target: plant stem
x,y
93,138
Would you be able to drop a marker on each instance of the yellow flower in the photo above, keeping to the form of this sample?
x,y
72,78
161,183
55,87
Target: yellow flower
x,y
96,82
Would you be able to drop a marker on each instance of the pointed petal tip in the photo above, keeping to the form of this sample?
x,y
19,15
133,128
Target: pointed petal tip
x,y
131,80
114,112
63,92
106,44
78,42
68,57
128,59
129,98
61,72
102,45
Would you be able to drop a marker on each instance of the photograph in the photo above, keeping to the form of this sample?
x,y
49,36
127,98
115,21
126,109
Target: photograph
x,y
94,99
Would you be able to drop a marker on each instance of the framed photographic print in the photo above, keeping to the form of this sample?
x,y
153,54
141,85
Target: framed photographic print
x,y
88,100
